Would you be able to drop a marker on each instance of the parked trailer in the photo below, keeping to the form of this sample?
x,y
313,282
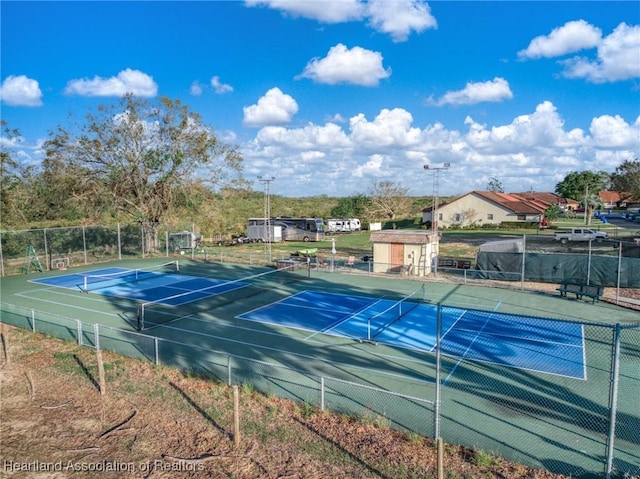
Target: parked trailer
x,y
292,229
343,225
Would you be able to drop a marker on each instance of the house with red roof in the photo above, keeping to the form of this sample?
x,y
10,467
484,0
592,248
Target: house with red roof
x,y
616,199
478,208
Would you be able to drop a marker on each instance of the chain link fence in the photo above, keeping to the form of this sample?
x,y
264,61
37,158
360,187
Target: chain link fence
x,y
58,248
582,427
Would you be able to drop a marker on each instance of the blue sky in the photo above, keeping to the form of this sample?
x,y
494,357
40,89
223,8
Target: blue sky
x,y
331,96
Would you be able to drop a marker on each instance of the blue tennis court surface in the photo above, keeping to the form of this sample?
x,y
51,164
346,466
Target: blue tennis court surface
x,y
156,287
508,340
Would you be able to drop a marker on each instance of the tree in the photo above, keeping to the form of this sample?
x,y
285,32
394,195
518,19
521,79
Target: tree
x,y
388,199
495,185
552,213
578,184
351,207
16,200
591,202
626,180
143,158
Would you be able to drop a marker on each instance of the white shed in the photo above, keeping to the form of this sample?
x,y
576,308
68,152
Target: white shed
x,y
409,252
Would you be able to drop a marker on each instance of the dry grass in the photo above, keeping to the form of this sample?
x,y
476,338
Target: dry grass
x,y
155,422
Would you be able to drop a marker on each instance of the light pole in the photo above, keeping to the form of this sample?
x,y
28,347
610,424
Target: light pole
x,y
267,214
435,241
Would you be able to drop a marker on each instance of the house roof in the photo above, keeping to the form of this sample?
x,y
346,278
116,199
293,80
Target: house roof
x,y
610,196
518,203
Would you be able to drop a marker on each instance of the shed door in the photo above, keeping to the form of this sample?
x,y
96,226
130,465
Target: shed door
x,y
397,256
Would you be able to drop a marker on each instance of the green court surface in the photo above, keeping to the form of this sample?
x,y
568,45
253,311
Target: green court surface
x,y
540,419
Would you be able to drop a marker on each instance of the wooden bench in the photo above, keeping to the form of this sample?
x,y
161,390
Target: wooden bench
x,y
581,290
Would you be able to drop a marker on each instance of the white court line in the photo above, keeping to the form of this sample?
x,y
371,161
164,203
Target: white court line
x,y
67,305
58,291
471,344
344,319
286,352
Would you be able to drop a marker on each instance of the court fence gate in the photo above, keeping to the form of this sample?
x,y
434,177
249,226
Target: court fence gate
x,y
564,425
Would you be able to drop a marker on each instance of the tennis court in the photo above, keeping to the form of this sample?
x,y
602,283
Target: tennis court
x,y
525,374
508,340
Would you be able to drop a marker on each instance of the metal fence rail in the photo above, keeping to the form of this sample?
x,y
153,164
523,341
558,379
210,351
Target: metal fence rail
x,y
571,426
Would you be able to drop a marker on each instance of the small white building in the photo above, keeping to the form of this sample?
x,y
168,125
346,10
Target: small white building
x,y
409,252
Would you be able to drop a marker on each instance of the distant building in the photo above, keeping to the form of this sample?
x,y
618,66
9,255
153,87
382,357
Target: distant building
x,y
478,208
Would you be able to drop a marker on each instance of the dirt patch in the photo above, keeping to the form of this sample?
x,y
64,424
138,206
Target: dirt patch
x,y
154,422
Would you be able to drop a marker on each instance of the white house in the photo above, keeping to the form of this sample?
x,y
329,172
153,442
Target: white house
x,y
486,207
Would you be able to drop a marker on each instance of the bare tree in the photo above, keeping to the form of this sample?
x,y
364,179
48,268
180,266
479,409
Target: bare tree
x,y
388,199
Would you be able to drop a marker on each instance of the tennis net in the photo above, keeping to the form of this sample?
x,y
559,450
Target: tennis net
x,y
237,292
93,282
395,312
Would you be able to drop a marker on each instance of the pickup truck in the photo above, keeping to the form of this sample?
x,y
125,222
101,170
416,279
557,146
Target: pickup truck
x,y
580,234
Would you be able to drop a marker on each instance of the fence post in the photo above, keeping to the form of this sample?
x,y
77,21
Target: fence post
x,y
613,399
436,402
119,243
33,321
46,249
229,369
96,334
322,393
1,258
156,351
524,255
589,263
619,272
79,329
84,244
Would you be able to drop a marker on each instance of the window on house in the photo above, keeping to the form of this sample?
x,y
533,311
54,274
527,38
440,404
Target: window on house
x,y
456,217
490,216
522,217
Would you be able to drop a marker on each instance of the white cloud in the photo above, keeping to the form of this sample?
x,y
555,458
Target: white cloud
x,y
20,91
614,132
274,108
618,58
126,82
371,168
399,18
309,137
333,11
569,38
356,66
541,130
495,90
390,127
534,150
220,87
196,88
